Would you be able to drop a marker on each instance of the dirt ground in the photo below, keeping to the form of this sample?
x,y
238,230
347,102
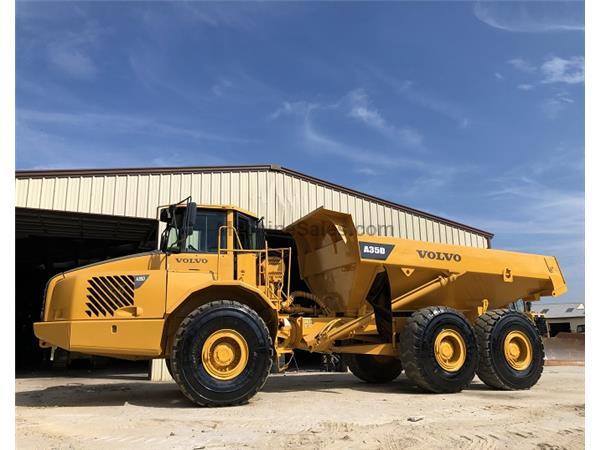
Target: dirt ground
x,y
312,410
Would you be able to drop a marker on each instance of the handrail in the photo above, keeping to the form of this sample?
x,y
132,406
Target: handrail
x,y
263,271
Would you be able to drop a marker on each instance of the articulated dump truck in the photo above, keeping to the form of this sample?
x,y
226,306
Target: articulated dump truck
x,y
214,301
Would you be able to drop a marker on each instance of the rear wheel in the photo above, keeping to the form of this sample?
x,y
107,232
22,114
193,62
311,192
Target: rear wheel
x,y
511,352
373,368
438,350
222,354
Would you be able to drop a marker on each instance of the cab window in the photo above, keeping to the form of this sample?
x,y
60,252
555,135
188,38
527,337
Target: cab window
x,y
250,232
204,238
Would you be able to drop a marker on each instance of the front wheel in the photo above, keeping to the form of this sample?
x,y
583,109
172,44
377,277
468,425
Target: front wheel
x,y
222,354
511,352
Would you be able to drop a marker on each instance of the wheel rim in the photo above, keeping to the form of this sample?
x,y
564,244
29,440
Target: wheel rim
x,y
518,350
225,354
450,350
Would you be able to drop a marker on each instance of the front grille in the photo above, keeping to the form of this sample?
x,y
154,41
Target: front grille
x,y
107,294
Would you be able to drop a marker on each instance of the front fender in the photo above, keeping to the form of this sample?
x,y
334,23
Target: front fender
x,y
224,290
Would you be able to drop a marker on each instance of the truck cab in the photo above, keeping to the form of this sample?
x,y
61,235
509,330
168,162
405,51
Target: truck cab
x,y
130,307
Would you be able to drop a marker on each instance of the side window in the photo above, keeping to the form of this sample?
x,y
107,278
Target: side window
x,y
206,230
244,230
251,232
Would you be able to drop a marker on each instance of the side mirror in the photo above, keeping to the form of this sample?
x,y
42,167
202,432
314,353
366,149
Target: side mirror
x,y
165,215
189,220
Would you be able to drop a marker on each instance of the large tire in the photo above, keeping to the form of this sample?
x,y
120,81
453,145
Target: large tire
x,y
494,330
445,328
222,354
373,368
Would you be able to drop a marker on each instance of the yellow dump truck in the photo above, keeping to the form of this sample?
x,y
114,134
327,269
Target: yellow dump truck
x,y
215,302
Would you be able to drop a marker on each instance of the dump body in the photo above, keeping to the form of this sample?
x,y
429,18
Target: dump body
x,y
340,266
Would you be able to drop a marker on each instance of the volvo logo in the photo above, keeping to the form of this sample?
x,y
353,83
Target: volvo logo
x,y
192,260
440,256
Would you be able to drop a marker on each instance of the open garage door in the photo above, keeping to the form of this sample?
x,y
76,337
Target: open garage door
x,y
50,242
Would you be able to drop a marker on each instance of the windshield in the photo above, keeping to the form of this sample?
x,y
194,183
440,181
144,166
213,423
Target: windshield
x,y
204,235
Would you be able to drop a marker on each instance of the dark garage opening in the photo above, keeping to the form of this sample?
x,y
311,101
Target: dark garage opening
x,y
559,327
50,242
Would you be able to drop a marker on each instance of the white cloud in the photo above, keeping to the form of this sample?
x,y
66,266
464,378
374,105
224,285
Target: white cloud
x,y
425,175
499,76
71,60
526,87
559,70
552,107
221,86
366,171
356,105
288,108
68,49
361,110
531,17
522,65
427,100
121,124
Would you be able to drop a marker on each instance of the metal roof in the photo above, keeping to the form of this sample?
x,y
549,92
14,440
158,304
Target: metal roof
x,y
264,167
560,310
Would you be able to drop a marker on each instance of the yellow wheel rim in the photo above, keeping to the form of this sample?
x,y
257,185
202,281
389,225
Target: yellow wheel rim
x,y
225,354
518,350
450,350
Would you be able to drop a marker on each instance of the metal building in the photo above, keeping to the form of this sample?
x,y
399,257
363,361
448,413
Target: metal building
x,y
67,218
563,317
280,195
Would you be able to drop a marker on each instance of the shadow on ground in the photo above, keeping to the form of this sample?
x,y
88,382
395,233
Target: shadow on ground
x,y
168,395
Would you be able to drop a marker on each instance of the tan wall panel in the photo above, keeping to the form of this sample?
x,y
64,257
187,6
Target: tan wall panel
x,y
271,208
244,190
47,193
121,195
72,194
410,234
131,198
235,188
34,192
141,204
21,187
153,198
225,188
186,185
60,194
108,195
96,195
85,194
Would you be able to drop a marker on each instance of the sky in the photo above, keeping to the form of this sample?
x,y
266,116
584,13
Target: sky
x,y
473,111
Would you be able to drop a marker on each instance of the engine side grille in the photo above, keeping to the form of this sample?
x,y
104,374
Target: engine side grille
x,y
107,294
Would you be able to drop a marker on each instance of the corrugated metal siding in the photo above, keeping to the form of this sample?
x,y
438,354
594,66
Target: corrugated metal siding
x,y
280,197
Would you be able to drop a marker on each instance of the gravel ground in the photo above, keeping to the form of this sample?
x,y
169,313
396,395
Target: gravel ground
x,y
312,410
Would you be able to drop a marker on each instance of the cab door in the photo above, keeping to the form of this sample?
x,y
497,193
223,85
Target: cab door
x,y
198,261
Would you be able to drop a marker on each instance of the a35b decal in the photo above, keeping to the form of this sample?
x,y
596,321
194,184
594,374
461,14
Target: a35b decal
x,y
375,251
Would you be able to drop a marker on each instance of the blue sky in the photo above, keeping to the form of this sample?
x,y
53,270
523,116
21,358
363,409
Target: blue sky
x,y
473,111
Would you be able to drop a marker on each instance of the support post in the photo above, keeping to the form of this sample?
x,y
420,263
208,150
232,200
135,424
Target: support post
x,y
157,371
